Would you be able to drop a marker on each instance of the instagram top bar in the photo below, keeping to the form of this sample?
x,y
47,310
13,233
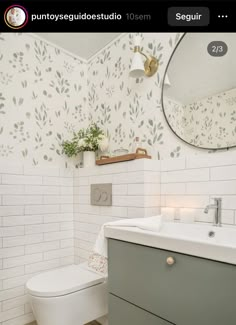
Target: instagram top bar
x,y
113,16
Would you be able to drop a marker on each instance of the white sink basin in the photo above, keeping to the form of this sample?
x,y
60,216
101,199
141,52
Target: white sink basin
x,y
207,241
225,236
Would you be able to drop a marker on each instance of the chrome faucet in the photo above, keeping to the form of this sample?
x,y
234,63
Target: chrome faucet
x,y
217,207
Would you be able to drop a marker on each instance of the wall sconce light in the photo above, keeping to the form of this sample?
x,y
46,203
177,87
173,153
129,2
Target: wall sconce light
x,y
167,81
140,68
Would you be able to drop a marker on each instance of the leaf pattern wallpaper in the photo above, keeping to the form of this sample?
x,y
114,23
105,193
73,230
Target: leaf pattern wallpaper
x,y
46,94
128,107
209,122
43,99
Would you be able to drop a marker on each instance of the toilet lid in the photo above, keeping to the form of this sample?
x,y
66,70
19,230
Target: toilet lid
x,y
63,281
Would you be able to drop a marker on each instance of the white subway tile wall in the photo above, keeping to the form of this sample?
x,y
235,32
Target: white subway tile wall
x,y
192,182
36,232
142,188
47,221
136,193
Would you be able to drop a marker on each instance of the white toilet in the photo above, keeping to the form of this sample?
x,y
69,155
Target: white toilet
x,y
71,295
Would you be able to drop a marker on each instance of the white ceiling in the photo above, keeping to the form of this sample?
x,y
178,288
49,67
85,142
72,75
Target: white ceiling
x,y
194,74
84,45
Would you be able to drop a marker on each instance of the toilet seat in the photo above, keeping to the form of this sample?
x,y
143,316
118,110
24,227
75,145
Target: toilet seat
x,y
63,281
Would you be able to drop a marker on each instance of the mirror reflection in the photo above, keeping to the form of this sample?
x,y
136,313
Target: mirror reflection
x,y
199,99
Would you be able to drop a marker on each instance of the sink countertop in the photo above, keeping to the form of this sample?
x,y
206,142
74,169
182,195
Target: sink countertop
x,y
201,248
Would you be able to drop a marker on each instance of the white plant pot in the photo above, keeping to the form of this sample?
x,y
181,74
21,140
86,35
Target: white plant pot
x,y
89,159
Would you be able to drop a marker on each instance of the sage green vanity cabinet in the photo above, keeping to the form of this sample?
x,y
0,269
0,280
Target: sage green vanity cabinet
x,y
192,291
124,313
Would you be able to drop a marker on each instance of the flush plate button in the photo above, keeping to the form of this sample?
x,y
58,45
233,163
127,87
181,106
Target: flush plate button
x,y
101,194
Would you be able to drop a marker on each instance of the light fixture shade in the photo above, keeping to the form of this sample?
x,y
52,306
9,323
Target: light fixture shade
x,y
167,81
137,66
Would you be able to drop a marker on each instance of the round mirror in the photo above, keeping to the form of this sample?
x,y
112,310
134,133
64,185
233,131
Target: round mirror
x,y
199,90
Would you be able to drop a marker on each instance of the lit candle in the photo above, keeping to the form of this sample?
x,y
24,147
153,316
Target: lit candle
x,y
187,215
168,213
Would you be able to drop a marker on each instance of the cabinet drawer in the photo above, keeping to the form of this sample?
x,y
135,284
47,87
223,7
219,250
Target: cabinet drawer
x,y
192,291
123,313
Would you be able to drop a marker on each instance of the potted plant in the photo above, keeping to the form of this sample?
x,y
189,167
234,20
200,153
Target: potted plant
x,y
88,141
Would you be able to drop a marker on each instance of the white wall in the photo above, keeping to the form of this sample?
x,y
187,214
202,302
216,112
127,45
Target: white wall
x,y
143,188
191,183
136,193
43,98
36,232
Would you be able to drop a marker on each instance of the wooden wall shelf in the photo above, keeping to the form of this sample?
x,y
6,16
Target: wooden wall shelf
x,y
130,156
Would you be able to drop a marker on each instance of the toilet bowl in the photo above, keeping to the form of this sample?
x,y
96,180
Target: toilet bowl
x,y
71,295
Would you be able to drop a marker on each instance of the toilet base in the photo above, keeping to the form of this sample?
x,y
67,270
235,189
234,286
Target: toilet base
x,y
77,308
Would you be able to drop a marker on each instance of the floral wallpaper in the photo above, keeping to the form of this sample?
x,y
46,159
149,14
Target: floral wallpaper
x,y
209,122
128,107
43,98
46,94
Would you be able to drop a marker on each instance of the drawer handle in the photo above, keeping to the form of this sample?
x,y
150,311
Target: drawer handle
x,y
170,260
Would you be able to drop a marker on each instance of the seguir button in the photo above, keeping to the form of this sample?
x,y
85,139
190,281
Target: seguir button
x,y
188,16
